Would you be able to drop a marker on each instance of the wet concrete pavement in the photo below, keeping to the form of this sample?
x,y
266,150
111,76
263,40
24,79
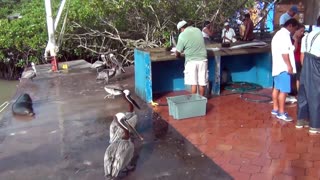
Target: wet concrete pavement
x,y
247,141
69,134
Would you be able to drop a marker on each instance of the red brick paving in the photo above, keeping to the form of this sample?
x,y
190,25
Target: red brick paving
x,y
248,142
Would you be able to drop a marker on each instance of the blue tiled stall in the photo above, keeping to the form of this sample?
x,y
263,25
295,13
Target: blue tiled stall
x,y
157,71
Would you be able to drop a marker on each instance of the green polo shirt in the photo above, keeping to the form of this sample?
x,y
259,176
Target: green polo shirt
x,y
191,43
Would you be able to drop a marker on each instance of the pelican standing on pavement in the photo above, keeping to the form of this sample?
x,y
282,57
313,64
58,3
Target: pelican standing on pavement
x,y
99,65
30,74
106,74
118,155
118,65
115,131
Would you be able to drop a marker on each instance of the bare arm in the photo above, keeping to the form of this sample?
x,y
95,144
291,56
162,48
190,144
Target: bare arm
x,y
301,58
226,38
295,43
207,30
288,63
246,31
249,27
178,54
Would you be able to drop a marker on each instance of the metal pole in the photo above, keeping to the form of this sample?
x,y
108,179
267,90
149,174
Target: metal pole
x,y
51,46
56,21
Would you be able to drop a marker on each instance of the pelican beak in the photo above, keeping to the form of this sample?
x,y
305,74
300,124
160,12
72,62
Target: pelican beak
x,y
133,102
122,69
133,130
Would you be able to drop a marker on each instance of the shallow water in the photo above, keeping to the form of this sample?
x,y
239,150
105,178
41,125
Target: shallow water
x,y
7,90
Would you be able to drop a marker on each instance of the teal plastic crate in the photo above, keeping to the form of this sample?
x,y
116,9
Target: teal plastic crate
x,y
187,106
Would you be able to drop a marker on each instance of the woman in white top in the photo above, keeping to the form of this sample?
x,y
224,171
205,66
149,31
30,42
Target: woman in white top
x,y
228,35
206,32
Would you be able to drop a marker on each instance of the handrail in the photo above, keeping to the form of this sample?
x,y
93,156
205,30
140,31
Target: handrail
x,y
4,105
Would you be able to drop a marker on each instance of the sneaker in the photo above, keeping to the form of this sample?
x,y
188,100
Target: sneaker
x,y
291,99
314,130
284,116
302,124
274,112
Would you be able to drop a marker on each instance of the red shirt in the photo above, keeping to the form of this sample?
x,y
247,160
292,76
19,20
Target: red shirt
x,y
297,52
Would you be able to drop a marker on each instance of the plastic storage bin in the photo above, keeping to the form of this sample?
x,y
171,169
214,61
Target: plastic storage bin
x,y
187,106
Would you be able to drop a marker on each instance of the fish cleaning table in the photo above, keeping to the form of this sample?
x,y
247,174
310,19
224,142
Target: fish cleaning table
x,y
159,71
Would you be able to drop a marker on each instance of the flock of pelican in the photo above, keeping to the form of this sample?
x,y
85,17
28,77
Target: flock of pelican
x,y
101,67
105,73
120,152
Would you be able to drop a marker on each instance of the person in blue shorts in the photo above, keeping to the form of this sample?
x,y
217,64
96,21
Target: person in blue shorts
x,y
283,65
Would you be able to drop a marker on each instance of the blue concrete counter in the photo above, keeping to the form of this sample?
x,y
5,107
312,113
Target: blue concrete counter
x,y
158,71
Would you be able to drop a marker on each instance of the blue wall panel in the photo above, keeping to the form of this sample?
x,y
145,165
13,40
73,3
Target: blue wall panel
x,y
142,68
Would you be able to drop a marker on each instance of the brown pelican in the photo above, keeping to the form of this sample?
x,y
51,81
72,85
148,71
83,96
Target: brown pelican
x,y
30,74
113,90
99,64
105,74
115,131
119,153
118,65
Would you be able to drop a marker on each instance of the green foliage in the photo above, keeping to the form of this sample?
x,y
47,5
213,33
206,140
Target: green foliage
x,y
24,39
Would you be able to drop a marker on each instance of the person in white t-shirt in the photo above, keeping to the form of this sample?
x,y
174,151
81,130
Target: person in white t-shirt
x,y
228,35
283,65
309,89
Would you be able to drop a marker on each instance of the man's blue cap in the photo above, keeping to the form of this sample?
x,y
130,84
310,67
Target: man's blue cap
x,y
294,9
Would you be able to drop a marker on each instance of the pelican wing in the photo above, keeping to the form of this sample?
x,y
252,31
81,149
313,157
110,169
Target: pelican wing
x,y
112,72
28,74
97,64
102,75
115,132
114,90
117,63
109,158
123,156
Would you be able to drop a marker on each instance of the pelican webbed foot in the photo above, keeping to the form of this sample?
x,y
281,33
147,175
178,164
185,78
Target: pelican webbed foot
x,y
109,177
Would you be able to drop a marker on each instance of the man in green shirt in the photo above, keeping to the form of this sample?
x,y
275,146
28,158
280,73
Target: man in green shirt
x,y
191,43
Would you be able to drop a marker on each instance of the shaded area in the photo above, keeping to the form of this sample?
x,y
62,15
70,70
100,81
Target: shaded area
x,y
166,154
67,137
